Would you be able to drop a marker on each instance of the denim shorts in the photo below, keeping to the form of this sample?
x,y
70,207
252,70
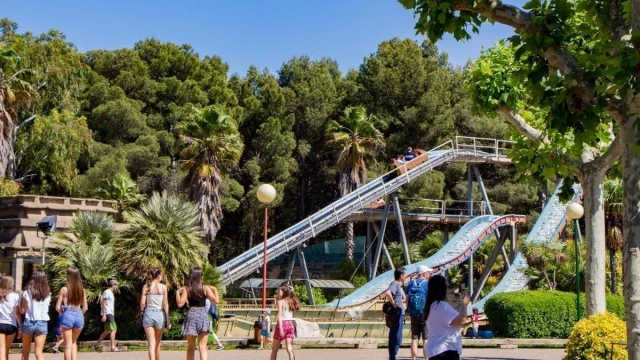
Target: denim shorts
x,y
72,318
35,327
153,318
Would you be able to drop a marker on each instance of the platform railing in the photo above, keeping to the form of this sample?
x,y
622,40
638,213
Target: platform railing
x,y
483,146
447,207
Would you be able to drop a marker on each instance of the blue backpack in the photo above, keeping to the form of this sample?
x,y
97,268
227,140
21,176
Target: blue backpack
x,y
417,299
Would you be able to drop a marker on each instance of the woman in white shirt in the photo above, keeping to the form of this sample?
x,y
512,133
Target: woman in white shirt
x,y
444,323
10,321
35,307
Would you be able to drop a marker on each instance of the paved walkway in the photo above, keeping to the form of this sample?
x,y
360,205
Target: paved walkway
x,y
322,354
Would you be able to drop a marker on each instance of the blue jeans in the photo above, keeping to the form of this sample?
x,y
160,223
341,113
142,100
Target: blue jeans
x,y
34,327
72,318
395,336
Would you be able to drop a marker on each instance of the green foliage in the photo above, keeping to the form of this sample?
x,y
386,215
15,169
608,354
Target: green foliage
x,y
592,337
9,187
51,148
164,232
538,314
431,244
301,293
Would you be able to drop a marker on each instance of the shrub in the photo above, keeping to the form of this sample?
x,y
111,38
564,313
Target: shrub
x,y
539,314
592,337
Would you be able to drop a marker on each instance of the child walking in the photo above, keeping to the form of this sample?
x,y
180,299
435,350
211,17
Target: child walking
x,y
474,322
288,302
266,328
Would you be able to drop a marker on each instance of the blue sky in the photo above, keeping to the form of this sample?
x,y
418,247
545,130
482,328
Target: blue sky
x,y
250,32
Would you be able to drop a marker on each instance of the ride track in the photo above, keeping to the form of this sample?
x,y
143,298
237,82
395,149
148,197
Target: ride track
x,y
548,226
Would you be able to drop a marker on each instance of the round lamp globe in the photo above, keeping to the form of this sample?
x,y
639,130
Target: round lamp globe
x,y
266,193
575,211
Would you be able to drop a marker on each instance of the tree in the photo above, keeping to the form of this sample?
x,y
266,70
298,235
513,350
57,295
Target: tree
x,y
164,232
581,62
545,259
15,93
89,247
49,151
613,220
124,191
212,146
357,138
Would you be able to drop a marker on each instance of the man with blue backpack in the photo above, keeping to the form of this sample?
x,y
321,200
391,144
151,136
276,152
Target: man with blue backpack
x,y
417,298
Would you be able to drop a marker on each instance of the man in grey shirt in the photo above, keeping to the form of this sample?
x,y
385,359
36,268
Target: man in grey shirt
x,y
395,295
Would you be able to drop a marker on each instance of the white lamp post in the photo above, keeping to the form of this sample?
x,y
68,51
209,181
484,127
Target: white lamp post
x,y
266,194
575,211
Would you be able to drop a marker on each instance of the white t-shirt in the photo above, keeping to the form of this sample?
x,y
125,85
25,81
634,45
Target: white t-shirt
x,y
442,336
8,309
36,310
109,303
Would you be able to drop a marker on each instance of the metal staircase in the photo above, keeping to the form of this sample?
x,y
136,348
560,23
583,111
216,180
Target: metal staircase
x,y
333,214
458,249
548,227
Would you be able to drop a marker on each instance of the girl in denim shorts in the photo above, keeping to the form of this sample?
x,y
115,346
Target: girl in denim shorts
x,y
35,307
154,304
9,314
72,304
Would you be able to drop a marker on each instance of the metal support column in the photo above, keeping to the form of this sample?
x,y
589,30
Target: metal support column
x,y
403,237
388,256
368,252
470,272
513,249
487,270
445,234
291,262
305,276
383,227
384,247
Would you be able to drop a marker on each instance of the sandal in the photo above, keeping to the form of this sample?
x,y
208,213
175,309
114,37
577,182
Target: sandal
x,y
97,348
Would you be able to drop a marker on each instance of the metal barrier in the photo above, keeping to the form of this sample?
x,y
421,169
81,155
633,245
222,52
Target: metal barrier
x,y
483,146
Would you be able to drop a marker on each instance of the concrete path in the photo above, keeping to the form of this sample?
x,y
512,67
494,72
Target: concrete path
x,y
321,354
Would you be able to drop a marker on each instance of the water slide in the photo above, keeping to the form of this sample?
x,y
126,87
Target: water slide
x,y
464,243
296,235
548,227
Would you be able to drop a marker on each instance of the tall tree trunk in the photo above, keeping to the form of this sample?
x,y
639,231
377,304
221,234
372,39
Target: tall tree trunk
x,y
6,139
595,266
206,193
631,231
349,242
613,264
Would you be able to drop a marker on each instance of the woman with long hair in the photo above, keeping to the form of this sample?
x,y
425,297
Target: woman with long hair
x,y
444,323
154,304
287,302
72,304
10,319
35,308
196,323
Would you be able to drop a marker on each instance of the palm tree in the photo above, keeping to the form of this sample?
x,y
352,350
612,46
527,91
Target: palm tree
x,y
15,94
89,247
165,232
212,146
124,191
357,138
545,259
613,223
431,244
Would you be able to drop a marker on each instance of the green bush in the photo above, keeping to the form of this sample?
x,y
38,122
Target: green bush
x,y
592,337
538,314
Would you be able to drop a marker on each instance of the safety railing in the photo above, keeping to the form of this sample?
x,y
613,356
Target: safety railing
x,y
444,207
483,146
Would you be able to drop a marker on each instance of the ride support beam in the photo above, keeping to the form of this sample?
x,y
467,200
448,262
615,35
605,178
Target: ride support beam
x,y
368,246
469,191
513,248
384,248
487,270
445,234
305,275
403,237
291,262
383,227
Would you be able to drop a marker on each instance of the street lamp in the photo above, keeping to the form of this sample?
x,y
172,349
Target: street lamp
x,y
266,194
575,212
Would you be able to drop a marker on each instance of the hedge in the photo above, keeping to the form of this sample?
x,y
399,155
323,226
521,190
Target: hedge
x,y
539,314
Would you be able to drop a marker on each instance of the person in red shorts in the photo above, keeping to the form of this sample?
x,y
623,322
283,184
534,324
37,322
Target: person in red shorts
x,y
285,330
